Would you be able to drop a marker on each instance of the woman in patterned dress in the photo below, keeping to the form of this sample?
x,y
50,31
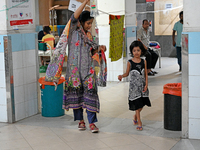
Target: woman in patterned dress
x,y
138,91
81,83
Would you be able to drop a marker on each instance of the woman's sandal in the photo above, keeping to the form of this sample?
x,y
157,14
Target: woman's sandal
x,y
139,128
81,125
135,122
93,128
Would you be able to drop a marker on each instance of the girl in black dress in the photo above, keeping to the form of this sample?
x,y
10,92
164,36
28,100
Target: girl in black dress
x,y
138,87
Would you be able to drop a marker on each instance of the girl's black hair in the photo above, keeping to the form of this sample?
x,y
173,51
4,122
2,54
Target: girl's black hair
x,y
137,44
85,16
47,29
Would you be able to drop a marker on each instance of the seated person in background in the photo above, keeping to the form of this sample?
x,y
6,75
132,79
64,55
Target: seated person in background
x,y
50,40
151,57
40,35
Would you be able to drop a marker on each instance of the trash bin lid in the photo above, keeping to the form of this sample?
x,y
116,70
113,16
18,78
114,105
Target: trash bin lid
x,y
43,82
173,89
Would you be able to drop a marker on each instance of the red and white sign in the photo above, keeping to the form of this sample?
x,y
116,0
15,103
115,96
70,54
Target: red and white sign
x,y
21,22
20,12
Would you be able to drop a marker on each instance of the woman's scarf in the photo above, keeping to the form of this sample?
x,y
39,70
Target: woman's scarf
x,y
55,66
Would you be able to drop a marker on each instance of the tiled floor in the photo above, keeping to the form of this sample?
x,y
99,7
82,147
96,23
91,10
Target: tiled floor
x,y
115,122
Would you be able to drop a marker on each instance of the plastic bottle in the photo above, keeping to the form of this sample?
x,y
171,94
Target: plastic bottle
x,y
94,11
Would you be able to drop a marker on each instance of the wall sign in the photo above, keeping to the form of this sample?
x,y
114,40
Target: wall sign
x,y
20,12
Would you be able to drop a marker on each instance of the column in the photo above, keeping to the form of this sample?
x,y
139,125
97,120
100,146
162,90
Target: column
x,y
191,71
130,24
3,32
19,61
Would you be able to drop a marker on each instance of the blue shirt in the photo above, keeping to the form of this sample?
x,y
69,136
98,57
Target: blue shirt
x,y
178,26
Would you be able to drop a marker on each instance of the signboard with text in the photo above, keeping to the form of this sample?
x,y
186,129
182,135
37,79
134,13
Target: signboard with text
x,y
20,13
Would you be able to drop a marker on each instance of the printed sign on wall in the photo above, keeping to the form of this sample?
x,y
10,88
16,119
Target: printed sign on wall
x,y
20,12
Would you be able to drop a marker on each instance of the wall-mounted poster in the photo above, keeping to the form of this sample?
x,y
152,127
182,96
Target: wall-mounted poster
x,y
20,13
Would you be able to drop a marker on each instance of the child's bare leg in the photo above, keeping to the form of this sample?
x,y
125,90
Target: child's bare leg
x,y
138,118
135,119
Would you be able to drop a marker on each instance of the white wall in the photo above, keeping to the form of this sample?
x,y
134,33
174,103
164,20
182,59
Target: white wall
x,y
191,16
114,7
3,23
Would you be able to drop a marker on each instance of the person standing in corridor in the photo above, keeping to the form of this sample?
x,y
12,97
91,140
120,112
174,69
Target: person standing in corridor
x,y
178,27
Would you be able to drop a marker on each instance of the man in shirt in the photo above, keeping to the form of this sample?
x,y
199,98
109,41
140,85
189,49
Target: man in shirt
x,y
178,27
151,56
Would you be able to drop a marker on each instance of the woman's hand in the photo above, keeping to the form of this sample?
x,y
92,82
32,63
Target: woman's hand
x,y
145,88
120,77
102,47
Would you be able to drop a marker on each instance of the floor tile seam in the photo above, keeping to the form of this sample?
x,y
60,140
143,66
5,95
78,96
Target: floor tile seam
x,y
24,138
145,143
61,138
188,144
126,144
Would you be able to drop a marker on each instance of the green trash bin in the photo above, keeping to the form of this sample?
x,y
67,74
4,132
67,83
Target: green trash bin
x,y
51,100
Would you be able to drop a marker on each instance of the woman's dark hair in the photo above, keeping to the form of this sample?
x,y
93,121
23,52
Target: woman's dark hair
x,y
85,16
181,13
47,29
137,44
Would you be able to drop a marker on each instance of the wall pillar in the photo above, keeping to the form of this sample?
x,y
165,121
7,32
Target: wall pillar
x,y
191,71
130,24
19,61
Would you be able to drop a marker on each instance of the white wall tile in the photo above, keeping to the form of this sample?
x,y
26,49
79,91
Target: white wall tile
x,y
24,59
3,80
32,91
25,76
26,98
17,60
192,62
19,94
194,86
3,100
110,75
20,111
3,112
2,62
31,107
194,111
31,74
18,77
194,128
118,65
104,31
115,76
30,58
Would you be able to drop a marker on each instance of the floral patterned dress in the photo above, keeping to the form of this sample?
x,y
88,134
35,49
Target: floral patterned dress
x,y
81,86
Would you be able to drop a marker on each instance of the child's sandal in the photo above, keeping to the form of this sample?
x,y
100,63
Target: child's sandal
x,y
135,122
139,128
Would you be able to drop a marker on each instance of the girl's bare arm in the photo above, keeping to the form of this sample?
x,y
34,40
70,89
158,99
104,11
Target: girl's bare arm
x,y
127,72
146,76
